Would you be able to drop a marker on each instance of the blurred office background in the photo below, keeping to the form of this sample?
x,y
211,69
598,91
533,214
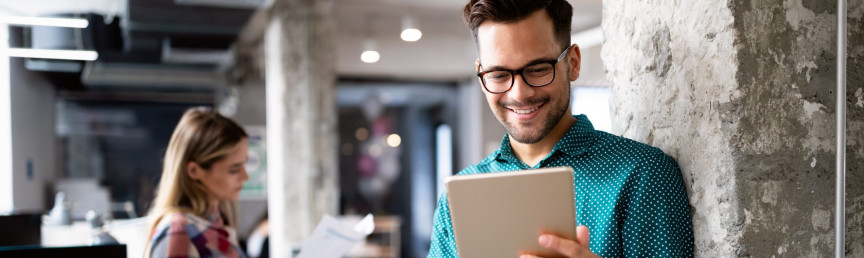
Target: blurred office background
x,y
94,122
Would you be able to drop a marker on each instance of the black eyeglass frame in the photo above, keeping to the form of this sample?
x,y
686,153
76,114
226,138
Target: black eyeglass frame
x,y
519,71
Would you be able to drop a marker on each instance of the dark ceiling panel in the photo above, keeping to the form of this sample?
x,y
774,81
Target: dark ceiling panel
x,y
164,16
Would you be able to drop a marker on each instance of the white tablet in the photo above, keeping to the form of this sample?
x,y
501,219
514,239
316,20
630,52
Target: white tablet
x,y
501,214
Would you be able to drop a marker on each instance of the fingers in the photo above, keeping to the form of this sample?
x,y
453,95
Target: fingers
x,y
582,236
566,247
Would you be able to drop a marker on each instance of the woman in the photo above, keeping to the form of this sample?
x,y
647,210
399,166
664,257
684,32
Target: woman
x,y
194,211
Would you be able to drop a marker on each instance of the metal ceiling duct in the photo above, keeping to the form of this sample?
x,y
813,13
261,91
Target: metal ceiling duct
x,y
122,76
176,55
242,4
153,45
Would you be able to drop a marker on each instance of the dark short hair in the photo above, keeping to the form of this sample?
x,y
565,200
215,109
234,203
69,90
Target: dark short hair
x,y
507,11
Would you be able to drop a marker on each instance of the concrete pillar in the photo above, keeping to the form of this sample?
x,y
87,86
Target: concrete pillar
x,y
741,93
301,120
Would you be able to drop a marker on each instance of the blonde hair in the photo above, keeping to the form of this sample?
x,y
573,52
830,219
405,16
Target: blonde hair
x,y
202,136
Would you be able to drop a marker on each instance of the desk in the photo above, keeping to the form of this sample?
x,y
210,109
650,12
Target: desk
x,y
38,251
130,232
20,229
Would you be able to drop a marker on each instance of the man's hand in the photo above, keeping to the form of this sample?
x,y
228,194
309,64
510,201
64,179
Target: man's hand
x,y
566,247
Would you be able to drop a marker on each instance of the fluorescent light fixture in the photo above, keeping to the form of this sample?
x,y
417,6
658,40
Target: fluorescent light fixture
x,y
44,21
410,32
83,55
588,38
369,55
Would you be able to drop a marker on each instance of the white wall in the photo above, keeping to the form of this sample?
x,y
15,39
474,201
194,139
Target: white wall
x,y
591,73
467,136
33,141
479,132
5,126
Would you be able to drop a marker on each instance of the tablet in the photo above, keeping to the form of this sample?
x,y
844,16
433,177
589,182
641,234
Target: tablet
x,y
501,214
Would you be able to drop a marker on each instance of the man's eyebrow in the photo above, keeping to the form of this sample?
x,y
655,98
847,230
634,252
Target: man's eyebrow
x,y
532,62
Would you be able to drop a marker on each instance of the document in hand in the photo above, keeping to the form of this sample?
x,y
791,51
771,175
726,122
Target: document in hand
x,y
501,214
333,238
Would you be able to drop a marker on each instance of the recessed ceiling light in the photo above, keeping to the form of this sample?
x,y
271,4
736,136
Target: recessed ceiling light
x,y
370,54
410,32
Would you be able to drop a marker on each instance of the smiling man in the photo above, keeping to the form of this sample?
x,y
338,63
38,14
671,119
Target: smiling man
x,y
630,197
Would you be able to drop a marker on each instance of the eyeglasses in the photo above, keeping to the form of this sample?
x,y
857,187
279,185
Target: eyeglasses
x,y
537,74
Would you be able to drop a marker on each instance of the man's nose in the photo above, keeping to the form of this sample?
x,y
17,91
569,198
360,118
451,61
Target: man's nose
x,y
520,89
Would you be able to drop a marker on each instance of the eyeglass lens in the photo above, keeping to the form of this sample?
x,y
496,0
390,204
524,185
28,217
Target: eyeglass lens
x,y
535,75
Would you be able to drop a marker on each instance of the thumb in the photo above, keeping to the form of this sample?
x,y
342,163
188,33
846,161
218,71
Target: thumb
x,y
582,236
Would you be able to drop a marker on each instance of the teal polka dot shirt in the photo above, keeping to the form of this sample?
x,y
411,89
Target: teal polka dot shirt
x,y
630,195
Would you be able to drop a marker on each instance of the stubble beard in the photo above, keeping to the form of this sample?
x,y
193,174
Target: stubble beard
x,y
530,134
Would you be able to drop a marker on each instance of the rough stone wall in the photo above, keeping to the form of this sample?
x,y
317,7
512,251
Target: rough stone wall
x,y
786,127
740,92
670,67
301,120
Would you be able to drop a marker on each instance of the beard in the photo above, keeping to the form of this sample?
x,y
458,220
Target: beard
x,y
533,133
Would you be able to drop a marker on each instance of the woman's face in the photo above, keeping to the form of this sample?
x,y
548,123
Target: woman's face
x,y
225,178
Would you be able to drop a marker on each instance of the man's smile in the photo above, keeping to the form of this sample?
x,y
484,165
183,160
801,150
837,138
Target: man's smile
x,y
525,110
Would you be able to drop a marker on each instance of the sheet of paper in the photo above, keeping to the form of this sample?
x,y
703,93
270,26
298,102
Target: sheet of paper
x,y
333,238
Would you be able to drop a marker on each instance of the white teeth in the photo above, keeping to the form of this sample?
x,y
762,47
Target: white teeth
x,y
526,111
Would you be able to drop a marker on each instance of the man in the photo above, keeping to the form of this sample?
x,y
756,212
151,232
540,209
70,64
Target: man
x,y
629,195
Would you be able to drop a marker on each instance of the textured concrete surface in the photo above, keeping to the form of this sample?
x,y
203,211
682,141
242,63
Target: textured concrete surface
x,y
301,120
741,93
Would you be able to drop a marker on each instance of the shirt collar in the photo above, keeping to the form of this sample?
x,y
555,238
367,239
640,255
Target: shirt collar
x,y
575,142
214,215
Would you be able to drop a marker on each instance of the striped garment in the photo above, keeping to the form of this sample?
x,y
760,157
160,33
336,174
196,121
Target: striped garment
x,y
185,235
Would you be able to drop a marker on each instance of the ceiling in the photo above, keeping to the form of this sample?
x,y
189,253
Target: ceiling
x,y
445,52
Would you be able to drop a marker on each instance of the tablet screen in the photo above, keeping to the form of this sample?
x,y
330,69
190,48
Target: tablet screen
x,y
501,214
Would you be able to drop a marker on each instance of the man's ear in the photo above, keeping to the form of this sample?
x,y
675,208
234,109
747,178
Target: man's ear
x,y
575,60
477,68
194,171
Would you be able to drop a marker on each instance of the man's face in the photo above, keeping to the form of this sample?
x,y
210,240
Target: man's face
x,y
528,113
